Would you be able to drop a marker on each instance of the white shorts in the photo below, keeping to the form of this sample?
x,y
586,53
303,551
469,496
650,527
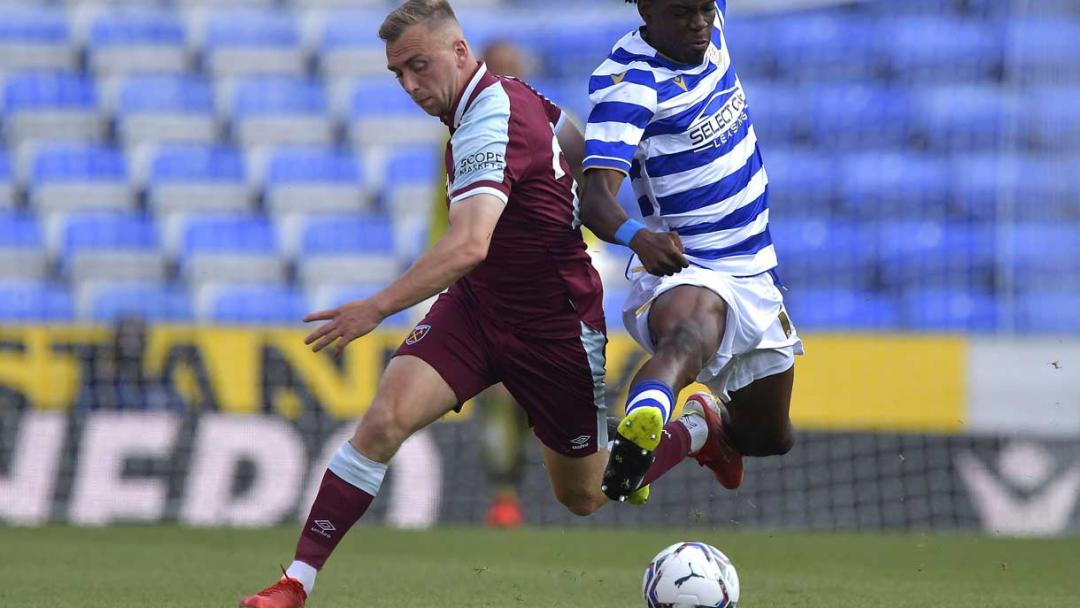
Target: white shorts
x,y
759,338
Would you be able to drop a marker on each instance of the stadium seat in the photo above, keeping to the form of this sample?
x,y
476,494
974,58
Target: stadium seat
x,y
71,177
7,185
198,178
153,302
254,304
1043,256
331,295
942,50
850,116
220,249
1052,312
34,302
613,308
752,47
111,247
35,38
341,249
128,39
1015,187
778,112
51,106
270,111
1044,50
347,48
22,247
957,310
315,180
988,112
802,182
935,255
894,185
1051,120
165,109
246,41
825,46
822,254
381,113
575,48
842,310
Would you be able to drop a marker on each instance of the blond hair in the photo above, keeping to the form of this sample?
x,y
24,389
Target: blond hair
x,y
412,12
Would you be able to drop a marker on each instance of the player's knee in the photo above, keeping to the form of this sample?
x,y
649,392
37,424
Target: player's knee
x,y
381,432
783,442
579,501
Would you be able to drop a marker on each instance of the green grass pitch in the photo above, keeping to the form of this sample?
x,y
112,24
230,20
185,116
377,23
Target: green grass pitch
x,y
59,567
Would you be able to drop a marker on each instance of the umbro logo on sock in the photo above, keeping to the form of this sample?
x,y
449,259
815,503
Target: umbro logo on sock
x,y
323,527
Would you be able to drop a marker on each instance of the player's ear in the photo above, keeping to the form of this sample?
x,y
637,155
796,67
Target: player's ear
x,y
461,51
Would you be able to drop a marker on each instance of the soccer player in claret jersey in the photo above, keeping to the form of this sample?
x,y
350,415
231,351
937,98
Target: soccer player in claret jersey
x,y
705,300
524,304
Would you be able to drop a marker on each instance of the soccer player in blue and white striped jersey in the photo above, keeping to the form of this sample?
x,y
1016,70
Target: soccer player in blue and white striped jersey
x,y
670,113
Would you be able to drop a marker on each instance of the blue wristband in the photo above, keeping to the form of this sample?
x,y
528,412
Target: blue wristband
x,y
626,232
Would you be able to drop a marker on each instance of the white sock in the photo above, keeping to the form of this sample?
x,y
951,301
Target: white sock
x,y
303,573
699,431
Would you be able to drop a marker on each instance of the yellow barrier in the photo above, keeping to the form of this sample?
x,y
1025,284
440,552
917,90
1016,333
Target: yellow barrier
x,y
870,382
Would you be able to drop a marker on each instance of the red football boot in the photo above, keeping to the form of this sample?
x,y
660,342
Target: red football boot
x,y
718,453
286,593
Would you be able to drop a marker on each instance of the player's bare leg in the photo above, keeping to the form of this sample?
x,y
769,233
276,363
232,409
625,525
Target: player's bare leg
x,y
686,326
411,395
759,422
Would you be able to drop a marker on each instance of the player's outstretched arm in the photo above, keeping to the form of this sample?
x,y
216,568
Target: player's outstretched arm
x,y
465,245
661,252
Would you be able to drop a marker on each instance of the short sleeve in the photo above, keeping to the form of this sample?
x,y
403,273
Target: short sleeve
x,y
623,104
480,148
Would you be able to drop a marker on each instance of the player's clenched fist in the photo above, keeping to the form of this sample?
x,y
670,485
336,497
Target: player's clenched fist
x,y
660,252
346,323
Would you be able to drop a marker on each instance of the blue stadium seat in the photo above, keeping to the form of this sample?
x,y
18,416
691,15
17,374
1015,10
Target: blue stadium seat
x,y
1015,187
987,112
137,39
819,253
7,185
315,180
613,307
950,310
1051,312
413,164
258,304
894,185
802,182
244,41
1051,120
231,234
35,38
575,48
154,302
198,178
268,111
165,109
942,50
841,309
34,302
230,249
752,48
111,247
381,113
778,112
934,255
80,176
858,116
22,247
1044,50
346,47
343,249
1043,256
822,46
51,106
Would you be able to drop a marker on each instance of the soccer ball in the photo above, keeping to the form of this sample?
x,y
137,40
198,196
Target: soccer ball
x,y
690,575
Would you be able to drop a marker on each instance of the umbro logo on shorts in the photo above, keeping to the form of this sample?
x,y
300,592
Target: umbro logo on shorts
x,y
580,443
417,334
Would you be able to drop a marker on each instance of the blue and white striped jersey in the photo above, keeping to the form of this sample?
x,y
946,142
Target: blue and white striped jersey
x,y
684,136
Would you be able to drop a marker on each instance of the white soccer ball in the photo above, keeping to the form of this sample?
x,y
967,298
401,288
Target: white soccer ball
x,y
690,575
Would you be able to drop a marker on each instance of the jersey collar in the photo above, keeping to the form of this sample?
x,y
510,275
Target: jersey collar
x,y
453,119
